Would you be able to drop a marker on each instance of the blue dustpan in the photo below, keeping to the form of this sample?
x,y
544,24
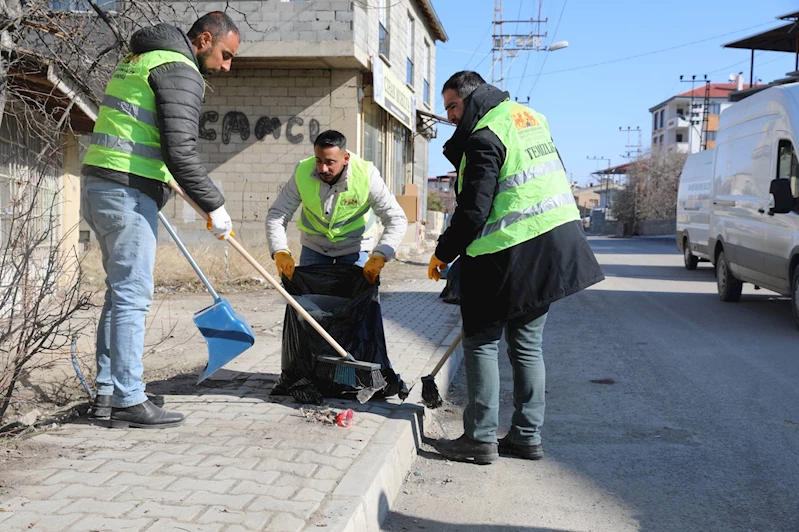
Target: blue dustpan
x,y
225,331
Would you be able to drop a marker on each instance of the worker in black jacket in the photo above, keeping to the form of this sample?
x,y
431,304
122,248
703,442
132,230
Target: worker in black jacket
x,y
517,230
146,135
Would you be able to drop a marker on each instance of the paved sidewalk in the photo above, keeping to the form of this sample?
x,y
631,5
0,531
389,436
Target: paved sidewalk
x,y
243,461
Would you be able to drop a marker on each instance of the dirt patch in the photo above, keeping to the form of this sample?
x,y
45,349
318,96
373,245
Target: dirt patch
x,y
173,345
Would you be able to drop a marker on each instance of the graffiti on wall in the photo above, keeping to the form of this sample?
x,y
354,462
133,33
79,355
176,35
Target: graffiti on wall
x,y
237,124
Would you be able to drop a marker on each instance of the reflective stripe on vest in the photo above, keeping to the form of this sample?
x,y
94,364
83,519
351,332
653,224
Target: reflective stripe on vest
x,y
133,111
126,136
533,195
352,215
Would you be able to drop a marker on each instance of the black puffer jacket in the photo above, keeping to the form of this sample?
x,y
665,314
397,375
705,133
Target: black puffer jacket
x,y
526,277
178,92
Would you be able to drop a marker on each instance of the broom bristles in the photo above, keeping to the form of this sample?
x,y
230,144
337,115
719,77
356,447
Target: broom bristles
x,y
345,372
430,396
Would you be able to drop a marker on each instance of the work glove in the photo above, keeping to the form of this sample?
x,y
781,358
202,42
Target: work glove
x,y
220,224
372,268
435,268
285,264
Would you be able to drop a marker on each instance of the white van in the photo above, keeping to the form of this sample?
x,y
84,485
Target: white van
x,y
754,217
693,207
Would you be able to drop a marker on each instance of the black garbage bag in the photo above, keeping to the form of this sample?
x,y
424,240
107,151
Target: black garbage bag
x,y
452,292
347,307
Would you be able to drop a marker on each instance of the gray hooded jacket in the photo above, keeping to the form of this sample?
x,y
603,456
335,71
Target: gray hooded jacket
x,y
178,92
382,201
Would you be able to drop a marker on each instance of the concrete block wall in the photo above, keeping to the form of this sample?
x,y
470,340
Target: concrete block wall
x,y
275,20
256,125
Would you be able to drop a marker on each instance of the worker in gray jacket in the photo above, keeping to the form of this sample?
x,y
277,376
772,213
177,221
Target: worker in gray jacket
x,y
340,194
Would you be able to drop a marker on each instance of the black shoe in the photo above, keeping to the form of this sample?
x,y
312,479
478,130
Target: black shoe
x,y
465,449
101,407
144,416
527,452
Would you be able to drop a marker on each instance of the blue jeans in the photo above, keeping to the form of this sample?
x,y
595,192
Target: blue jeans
x,y
309,257
481,416
125,221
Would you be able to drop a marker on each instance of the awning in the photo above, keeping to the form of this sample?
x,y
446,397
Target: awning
x,y
36,78
784,38
781,39
620,169
426,122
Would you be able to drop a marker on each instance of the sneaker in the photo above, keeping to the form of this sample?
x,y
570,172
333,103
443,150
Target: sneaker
x,y
527,452
101,407
465,449
144,416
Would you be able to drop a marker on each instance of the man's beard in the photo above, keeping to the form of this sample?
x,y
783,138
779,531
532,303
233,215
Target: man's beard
x,y
201,60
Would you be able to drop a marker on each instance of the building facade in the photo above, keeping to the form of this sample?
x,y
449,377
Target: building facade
x,y
361,67
678,124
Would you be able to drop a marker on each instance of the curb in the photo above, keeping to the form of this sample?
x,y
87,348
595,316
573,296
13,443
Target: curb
x,y
363,498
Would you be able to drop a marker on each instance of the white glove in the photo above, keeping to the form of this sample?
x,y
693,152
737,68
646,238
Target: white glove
x,y
220,223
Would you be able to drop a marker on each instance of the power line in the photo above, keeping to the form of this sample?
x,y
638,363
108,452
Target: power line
x,y
560,17
650,53
478,47
527,59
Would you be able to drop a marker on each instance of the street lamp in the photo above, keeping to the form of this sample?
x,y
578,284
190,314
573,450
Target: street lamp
x,y
560,45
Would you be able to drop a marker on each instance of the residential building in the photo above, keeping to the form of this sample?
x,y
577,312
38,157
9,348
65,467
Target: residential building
x,y
365,68
444,187
587,198
678,123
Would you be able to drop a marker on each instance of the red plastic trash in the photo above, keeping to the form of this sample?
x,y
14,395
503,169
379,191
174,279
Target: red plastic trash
x,y
344,419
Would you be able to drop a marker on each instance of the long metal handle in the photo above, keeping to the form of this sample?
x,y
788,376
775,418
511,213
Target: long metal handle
x,y
282,291
450,349
188,256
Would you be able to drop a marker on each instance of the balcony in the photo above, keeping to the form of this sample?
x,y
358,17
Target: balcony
x,y
678,122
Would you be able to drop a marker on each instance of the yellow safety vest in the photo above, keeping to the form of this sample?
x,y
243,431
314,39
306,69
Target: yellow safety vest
x,y
352,215
533,195
126,136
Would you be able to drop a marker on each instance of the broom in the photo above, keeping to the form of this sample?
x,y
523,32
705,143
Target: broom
x,y
344,368
430,396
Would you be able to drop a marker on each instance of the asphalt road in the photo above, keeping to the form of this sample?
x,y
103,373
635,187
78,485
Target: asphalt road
x,y
667,410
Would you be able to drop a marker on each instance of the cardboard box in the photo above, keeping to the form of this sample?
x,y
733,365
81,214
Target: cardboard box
x,y
410,204
411,189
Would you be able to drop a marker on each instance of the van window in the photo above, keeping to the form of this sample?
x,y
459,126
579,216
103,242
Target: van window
x,y
787,165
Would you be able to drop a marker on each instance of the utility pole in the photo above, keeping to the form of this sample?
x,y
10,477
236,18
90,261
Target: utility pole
x,y
692,81
628,146
607,181
531,41
705,115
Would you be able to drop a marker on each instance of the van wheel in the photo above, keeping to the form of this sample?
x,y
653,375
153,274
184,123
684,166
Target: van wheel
x,y
795,296
690,259
728,286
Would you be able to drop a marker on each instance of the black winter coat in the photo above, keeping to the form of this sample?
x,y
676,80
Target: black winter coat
x,y
524,278
178,92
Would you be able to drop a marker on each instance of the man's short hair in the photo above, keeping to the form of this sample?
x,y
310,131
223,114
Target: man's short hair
x,y
217,23
331,138
463,82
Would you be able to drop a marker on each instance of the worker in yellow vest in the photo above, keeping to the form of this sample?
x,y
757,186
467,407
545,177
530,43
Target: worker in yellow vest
x,y
340,194
146,135
517,231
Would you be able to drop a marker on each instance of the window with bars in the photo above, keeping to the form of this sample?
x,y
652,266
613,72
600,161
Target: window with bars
x,y
383,18
27,182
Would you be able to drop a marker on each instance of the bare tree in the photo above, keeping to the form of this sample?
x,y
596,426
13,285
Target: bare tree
x,y
54,56
40,289
651,191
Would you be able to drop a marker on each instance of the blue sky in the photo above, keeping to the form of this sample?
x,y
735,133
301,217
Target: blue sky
x,y
586,105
